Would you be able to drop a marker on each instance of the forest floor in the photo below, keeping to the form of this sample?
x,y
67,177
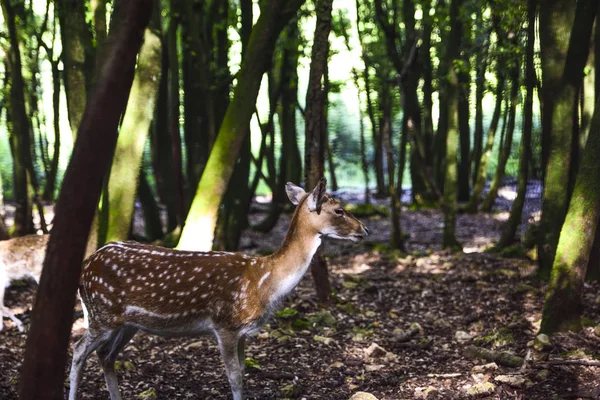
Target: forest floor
x,y
398,328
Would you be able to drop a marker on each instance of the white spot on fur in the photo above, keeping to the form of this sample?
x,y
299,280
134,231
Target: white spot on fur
x,y
263,278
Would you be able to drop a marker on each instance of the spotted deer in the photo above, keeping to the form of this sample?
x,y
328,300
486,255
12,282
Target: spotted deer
x,y
127,286
20,258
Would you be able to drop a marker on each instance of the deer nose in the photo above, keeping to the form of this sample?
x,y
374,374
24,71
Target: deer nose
x,y
365,229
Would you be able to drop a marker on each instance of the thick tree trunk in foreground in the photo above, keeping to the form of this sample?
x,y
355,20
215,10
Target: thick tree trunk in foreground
x,y
124,172
516,211
198,232
452,90
563,305
563,57
42,373
315,115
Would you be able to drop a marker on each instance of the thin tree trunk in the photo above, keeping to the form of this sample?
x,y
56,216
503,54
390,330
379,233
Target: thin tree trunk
x,y
516,211
315,117
18,127
505,150
152,222
464,166
485,156
480,68
50,186
42,373
452,100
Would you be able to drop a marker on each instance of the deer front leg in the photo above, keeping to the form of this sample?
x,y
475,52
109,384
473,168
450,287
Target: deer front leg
x,y
229,347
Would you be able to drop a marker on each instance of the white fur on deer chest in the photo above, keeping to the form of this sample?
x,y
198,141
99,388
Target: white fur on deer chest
x,y
288,283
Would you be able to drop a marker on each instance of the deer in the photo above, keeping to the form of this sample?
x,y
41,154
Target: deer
x,y
23,258
20,258
127,286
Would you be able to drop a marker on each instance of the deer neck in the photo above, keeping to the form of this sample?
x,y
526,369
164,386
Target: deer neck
x,y
290,262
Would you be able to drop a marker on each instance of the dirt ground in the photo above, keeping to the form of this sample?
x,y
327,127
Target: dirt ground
x,y
422,311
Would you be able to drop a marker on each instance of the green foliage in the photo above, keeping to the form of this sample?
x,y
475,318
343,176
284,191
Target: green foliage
x,y
286,313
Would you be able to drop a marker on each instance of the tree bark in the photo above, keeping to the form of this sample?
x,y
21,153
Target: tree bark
x,y
563,305
452,100
127,160
480,67
315,120
78,57
198,232
42,373
516,211
152,222
563,56
485,156
19,128
505,150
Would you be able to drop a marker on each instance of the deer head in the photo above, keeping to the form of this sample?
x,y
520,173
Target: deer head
x,y
325,214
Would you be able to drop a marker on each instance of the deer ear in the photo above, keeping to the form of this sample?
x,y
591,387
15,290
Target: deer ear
x,y
315,198
295,193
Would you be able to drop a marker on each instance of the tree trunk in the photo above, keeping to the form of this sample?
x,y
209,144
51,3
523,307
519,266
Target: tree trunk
x,y
50,186
480,68
315,117
516,211
427,73
385,100
163,149
563,305
485,156
152,222
78,57
452,100
42,373
464,167
505,150
198,232
288,76
127,160
3,228
563,58
18,126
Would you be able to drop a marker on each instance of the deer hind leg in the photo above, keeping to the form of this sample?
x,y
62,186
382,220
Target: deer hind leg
x,y
4,310
229,347
241,348
81,351
107,353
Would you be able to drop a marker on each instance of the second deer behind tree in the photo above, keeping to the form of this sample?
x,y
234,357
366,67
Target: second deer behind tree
x,y
128,286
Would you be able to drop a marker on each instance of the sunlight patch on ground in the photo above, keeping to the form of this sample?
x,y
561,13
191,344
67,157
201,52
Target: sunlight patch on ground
x,y
264,199
502,216
507,193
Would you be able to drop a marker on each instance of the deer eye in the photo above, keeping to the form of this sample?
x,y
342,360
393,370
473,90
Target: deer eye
x,y
339,212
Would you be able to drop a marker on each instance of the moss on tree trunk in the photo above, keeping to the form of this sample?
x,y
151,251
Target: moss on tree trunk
x,y
563,305
124,173
198,231
564,47
452,100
